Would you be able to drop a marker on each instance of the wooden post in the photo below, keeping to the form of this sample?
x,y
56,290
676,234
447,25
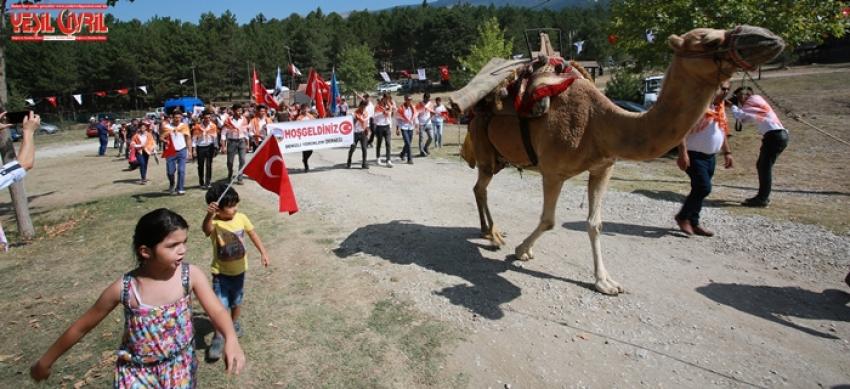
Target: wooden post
x,y
7,149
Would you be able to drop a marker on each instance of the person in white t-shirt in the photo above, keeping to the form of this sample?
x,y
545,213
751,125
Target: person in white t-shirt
x,y
752,108
439,111
15,170
382,119
424,113
697,157
177,139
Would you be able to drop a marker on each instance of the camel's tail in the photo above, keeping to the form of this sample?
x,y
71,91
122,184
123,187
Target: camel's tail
x,y
467,151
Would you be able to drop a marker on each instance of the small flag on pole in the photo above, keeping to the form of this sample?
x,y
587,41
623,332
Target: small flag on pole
x,y
52,101
183,81
334,93
579,46
78,98
293,70
278,82
268,169
385,76
144,89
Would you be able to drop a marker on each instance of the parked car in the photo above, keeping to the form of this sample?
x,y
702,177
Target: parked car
x,y
91,131
15,133
415,86
649,90
46,128
388,87
630,106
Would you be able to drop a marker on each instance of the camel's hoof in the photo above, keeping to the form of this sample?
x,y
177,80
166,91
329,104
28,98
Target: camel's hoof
x,y
495,239
609,287
524,254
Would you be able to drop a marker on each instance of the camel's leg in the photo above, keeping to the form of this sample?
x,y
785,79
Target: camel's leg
x,y
488,229
596,186
551,191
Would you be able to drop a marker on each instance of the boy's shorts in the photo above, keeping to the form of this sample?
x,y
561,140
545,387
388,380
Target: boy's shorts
x,y
229,289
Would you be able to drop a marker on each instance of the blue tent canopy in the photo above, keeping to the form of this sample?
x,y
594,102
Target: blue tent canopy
x,y
185,103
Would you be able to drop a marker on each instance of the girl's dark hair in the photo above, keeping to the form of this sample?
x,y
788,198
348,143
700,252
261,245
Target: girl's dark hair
x,y
154,226
230,198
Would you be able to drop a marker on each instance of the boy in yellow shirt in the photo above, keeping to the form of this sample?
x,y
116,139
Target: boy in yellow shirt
x,y
227,228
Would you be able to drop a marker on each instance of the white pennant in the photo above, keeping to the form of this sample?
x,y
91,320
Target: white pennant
x,y
183,81
79,99
144,88
650,36
385,76
579,45
30,101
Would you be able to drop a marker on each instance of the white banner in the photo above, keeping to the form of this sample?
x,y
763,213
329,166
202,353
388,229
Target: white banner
x,y
313,134
385,76
421,72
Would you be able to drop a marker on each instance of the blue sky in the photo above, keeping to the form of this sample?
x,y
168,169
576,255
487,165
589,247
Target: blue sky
x,y
245,10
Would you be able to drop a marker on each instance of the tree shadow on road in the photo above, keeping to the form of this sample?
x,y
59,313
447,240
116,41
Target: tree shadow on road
x,y
776,303
447,250
611,228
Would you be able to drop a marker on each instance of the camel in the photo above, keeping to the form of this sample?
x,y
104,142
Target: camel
x,y
585,131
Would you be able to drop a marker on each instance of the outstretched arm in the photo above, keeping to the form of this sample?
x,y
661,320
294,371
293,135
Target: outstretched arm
x,y
26,158
234,358
107,301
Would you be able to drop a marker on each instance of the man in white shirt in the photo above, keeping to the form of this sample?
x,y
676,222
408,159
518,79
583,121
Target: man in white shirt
x,y
697,157
177,138
424,112
235,140
752,108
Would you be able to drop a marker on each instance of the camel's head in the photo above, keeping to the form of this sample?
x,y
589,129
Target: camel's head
x,y
744,47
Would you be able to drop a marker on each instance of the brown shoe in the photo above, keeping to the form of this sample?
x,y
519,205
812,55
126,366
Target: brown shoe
x,y
685,226
699,230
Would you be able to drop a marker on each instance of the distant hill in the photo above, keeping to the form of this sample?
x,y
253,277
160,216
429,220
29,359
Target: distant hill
x,y
551,4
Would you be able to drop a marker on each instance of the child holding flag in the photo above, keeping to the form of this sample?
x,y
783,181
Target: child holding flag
x,y
227,228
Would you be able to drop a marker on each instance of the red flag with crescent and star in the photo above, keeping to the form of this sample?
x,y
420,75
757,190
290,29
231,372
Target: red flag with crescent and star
x,y
261,96
268,169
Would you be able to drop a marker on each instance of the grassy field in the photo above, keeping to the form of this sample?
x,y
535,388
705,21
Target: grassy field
x,y
308,322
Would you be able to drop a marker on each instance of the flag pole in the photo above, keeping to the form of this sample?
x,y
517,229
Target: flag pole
x,y
239,173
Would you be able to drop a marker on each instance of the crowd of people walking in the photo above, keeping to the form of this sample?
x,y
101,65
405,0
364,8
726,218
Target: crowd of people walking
x,y
180,137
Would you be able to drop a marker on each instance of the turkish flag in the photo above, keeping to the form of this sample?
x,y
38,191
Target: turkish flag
x,y
100,93
52,101
261,95
444,73
612,39
269,170
405,73
122,91
317,89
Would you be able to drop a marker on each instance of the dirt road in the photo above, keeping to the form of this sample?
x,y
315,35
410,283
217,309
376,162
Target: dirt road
x,y
761,304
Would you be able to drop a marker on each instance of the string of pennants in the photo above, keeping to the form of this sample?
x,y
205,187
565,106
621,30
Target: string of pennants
x,y
78,97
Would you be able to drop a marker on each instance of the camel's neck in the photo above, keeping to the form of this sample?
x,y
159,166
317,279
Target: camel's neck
x,y
682,101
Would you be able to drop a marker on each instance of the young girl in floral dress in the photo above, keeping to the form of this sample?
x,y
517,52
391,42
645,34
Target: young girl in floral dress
x,y
157,349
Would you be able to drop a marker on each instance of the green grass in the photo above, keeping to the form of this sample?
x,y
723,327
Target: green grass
x,y
302,330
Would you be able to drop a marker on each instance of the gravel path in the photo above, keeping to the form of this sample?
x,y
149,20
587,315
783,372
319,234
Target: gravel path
x,y
761,304
756,305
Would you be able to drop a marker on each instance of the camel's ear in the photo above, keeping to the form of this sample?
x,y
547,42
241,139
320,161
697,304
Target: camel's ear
x,y
713,39
676,42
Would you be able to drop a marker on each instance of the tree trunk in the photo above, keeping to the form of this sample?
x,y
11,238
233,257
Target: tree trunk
x,y
7,149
